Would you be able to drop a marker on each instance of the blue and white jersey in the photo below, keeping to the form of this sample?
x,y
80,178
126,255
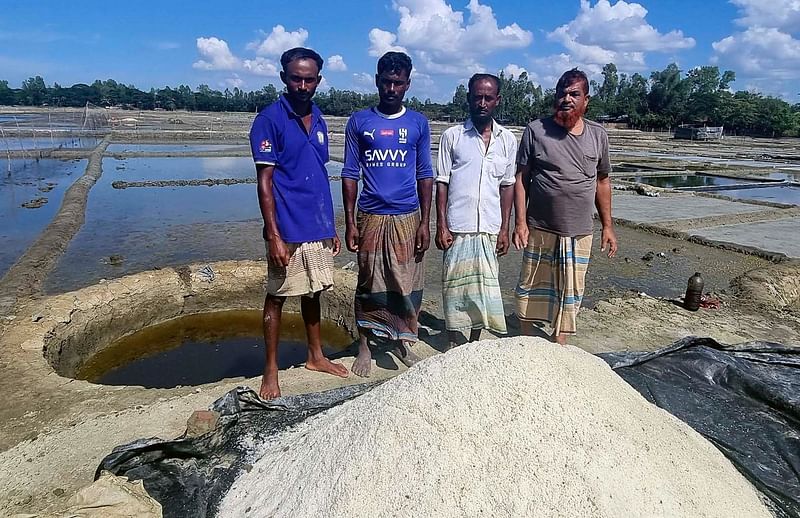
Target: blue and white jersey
x,y
390,152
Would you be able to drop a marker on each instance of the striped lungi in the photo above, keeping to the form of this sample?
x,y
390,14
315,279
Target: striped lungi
x,y
551,282
390,276
309,271
470,285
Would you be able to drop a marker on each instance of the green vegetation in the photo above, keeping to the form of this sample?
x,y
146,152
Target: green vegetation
x,y
664,100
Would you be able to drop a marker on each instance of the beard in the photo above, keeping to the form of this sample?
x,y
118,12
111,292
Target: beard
x,y
568,119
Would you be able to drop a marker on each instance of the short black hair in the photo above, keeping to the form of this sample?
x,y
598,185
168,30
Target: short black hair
x,y
394,62
573,76
480,77
300,53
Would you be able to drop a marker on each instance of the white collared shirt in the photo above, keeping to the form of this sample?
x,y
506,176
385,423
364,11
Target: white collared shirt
x,y
475,173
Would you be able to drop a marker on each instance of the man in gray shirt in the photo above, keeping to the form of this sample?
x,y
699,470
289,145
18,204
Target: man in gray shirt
x,y
563,167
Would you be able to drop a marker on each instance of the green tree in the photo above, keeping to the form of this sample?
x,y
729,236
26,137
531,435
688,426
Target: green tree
x,y
34,91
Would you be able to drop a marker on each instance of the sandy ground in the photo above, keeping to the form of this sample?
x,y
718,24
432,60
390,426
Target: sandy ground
x,y
54,430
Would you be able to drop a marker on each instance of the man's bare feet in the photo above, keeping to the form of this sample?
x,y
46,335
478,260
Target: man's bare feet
x,y
269,385
405,354
363,364
560,338
325,365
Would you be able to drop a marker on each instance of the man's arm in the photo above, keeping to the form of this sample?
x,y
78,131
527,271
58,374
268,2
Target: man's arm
x,y
521,231
443,236
351,173
444,165
507,193
425,193
278,251
602,200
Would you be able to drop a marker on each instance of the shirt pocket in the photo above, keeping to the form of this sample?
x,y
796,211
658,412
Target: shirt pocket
x,y
589,166
498,167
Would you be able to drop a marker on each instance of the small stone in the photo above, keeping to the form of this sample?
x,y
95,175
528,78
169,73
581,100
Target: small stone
x,y
37,317
115,259
34,203
648,256
349,266
201,422
59,491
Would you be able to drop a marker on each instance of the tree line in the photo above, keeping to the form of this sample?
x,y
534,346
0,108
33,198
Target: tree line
x,y
664,100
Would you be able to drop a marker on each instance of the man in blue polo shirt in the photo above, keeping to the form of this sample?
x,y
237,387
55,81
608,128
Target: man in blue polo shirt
x,y
289,141
389,147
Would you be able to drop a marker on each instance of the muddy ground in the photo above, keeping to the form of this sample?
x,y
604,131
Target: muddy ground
x,y
54,430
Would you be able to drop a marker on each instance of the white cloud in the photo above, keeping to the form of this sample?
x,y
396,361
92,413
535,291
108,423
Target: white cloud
x,y
780,14
166,45
215,55
766,53
364,79
261,67
512,70
761,53
618,33
278,41
381,42
234,82
336,63
441,39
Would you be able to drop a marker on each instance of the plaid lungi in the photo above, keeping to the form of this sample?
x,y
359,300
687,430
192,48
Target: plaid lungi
x,y
390,276
551,282
470,285
310,270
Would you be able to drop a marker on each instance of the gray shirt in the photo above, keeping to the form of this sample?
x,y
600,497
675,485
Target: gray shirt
x,y
563,175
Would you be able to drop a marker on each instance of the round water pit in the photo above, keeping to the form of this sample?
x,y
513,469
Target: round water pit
x,y
203,348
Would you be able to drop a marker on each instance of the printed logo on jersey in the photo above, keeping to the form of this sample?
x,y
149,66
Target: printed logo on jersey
x,y
402,136
385,157
265,146
320,137
370,134
387,132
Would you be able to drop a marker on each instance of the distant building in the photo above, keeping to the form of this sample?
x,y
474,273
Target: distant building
x,y
691,132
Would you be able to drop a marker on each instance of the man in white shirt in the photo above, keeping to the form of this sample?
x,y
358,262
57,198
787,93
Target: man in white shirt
x,y
474,196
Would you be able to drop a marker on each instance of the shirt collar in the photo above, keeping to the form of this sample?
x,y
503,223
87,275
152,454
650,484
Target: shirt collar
x,y
315,113
497,129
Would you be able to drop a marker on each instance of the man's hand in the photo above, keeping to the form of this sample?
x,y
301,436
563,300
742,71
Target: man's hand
x,y
520,238
278,252
337,246
422,240
608,238
351,238
443,238
501,248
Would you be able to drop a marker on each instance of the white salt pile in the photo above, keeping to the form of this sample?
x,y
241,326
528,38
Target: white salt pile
x,y
513,427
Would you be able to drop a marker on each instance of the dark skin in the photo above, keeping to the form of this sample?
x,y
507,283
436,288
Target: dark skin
x,y
392,87
483,99
301,78
570,104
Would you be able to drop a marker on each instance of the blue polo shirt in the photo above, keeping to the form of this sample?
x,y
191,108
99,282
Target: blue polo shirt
x,y
300,185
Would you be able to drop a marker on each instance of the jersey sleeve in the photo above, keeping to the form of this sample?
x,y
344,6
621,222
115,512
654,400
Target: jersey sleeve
x,y
444,164
352,166
262,141
424,165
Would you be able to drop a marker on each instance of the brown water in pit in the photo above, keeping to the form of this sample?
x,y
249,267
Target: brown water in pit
x,y
203,348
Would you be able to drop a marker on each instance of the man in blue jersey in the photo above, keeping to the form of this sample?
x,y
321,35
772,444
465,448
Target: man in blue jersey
x,y
389,148
289,141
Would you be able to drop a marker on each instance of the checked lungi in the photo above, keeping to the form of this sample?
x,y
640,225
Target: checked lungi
x,y
551,282
310,270
390,275
470,284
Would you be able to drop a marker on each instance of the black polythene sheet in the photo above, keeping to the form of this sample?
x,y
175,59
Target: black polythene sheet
x,y
743,398
190,476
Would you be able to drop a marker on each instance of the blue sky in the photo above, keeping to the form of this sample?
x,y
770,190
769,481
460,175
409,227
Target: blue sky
x,y
238,43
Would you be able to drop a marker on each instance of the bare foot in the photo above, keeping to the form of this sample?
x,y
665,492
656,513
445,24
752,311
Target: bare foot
x,y
363,364
269,386
405,354
560,339
325,365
